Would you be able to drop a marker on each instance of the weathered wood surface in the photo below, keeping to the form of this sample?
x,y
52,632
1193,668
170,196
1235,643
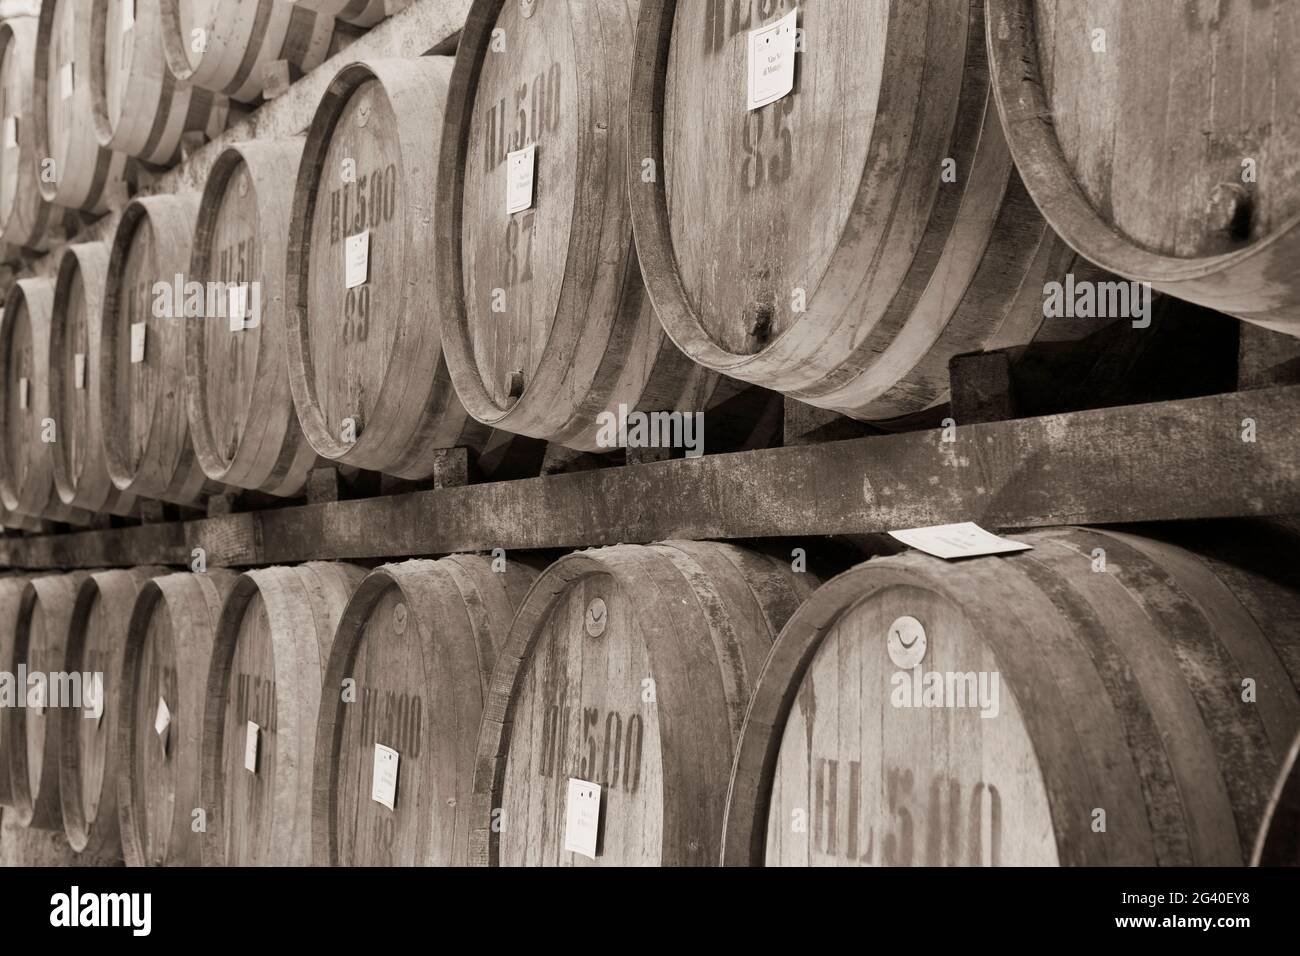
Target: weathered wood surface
x,y
1119,673
361,13
1279,836
268,663
1163,461
1148,162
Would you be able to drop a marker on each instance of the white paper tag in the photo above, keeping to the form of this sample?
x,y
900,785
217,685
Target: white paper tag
x,y
79,370
11,132
965,540
383,788
520,166
163,719
23,388
582,817
238,305
138,332
128,14
771,61
66,80
250,748
356,259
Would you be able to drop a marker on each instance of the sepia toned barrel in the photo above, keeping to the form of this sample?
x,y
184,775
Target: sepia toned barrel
x,y
78,460
1147,162
32,729
22,846
841,243
12,588
140,109
546,324
365,361
1101,699
627,667
409,671
160,719
26,219
142,352
232,46
28,435
75,171
263,694
14,521
245,431
361,13
88,766
1279,836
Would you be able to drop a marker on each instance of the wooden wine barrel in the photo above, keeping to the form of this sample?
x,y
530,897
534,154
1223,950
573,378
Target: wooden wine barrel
x,y
628,667
842,243
27,221
228,46
13,521
417,642
241,414
546,323
1100,699
272,645
26,454
1279,836
142,393
361,13
366,362
22,846
78,461
11,602
88,755
164,678
81,173
32,731
1147,162
140,109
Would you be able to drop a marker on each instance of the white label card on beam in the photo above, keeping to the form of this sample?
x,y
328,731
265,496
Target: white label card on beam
x,y
250,747
66,80
79,370
521,166
771,61
582,818
383,788
139,330
24,388
356,260
965,540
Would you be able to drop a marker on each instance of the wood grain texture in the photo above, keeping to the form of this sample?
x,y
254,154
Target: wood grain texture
x,y
628,667
241,415
371,356
546,323
12,588
22,846
414,654
1034,472
83,173
232,46
361,13
1138,154
1279,835
76,325
139,107
26,219
32,732
272,645
146,431
26,456
1122,687
88,755
168,651
841,244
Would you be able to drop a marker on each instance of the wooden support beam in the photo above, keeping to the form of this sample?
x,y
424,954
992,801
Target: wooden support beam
x,y
1165,461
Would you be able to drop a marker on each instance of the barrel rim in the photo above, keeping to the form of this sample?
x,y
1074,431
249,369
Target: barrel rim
x,y
40,96
1288,778
23,804
99,73
1015,67
169,21
17,297
9,40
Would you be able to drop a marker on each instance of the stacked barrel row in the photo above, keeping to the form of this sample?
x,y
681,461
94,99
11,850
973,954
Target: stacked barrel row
x,y
1101,698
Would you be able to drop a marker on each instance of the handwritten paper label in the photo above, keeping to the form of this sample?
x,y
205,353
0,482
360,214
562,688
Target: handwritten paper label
x,y
138,332
771,61
250,747
965,540
520,166
582,817
11,132
356,261
162,719
383,788
23,388
66,80
79,370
